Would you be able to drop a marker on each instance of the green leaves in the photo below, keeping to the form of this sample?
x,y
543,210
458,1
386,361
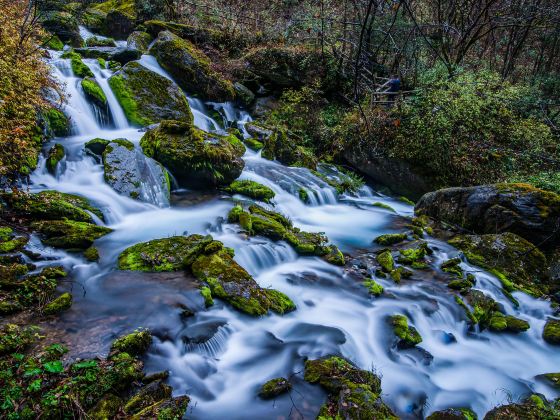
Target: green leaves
x,y
53,367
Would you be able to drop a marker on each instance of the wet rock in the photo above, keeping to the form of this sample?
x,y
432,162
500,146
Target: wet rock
x,y
201,332
551,332
195,158
55,155
61,303
244,94
191,68
256,220
69,234
132,174
251,189
172,408
373,287
500,322
391,239
139,41
528,212
52,205
274,388
91,254
386,261
96,146
135,344
407,335
57,123
352,393
108,407
453,414
64,25
212,264
94,92
517,263
125,55
553,379
533,408
95,41
147,97
147,396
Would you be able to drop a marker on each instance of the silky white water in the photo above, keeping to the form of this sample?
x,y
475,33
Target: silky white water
x,y
220,357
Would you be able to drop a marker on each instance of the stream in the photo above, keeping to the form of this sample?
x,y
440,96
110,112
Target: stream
x,y
220,357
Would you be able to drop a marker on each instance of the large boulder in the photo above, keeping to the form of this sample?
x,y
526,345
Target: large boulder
x,y
191,68
195,158
147,98
529,212
115,18
63,25
132,174
139,40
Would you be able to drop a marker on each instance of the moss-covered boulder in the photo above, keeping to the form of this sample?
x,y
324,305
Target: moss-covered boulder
x,y
374,288
79,68
54,156
57,123
213,265
96,146
352,393
507,323
195,158
516,262
191,68
278,146
244,95
147,98
60,304
91,254
139,40
64,25
52,205
529,212
407,334
94,92
256,220
274,388
551,332
147,396
533,408
171,408
116,18
95,41
129,172
386,261
69,234
251,189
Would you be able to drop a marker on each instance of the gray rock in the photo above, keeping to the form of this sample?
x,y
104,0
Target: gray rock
x,y
139,40
125,55
129,172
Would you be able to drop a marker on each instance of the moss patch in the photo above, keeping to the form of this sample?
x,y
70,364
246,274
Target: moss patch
x,y
391,239
251,189
551,332
373,287
94,92
408,336
69,234
55,155
61,303
274,388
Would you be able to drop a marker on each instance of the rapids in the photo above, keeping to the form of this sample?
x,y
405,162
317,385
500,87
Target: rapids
x,y
220,357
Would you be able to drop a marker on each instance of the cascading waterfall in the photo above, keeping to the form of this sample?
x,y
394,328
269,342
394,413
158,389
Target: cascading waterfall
x,y
452,367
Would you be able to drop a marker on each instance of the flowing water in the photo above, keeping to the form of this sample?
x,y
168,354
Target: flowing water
x,y
220,357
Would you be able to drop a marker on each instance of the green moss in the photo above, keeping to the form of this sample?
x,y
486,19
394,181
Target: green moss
x,y
399,273
5,233
553,378
58,122
91,254
452,266
168,254
135,344
551,332
53,42
415,254
56,154
408,336
385,260
253,144
52,205
453,414
334,256
279,302
68,234
274,388
352,393
13,245
462,284
78,67
61,303
251,189
100,42
124,6
390,239
107,408
96,146
406,200
303,195
373,287
383,206
102,63
517,263
207,295
93,91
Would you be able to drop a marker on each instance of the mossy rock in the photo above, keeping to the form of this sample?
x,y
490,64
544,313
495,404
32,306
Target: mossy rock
x,y
516,262
107,408
135,344
278,146
391,239
553,379
414,254
452,266
453,414
96,146
91,254
148,98
483,307
60,304
64,25
171,408
53,42
244,95
52,205
191,68
94,92
78,67
275,387
253,144
551,332
58,124
533,408
168,254
195,158
139,40
95,41
55,155
383,206
352,393
386,261
373,287
115,18
407,335
251,189
500,322
69,234
148,395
